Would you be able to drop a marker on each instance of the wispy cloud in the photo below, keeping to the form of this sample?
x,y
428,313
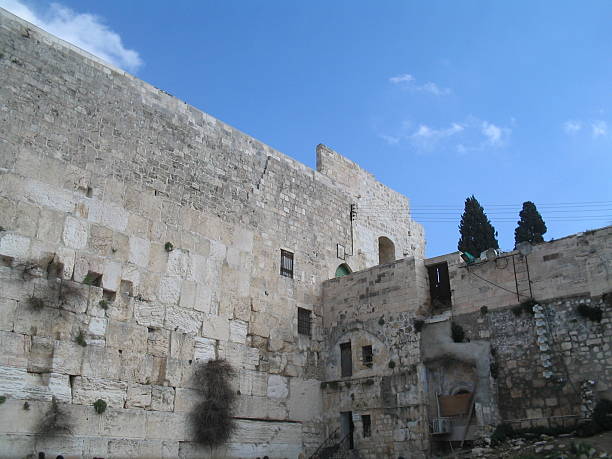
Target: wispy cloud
x,y
471,135
599,128
408,81
81,29
572,126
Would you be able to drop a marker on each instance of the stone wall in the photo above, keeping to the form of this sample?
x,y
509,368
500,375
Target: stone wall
x,y
539,375
377,307
574,265
141,237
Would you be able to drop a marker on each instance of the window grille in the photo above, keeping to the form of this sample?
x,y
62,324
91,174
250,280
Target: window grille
x,y
367,355
304,323
286,268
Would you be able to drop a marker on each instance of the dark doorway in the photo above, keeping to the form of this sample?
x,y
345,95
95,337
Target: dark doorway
x,y
347,427
439,286
346,360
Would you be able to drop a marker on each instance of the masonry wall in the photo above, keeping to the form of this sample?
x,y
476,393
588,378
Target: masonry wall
x,y
377,307
98,173
574,265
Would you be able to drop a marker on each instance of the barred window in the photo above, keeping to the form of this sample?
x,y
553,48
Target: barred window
x,y
286,268
304,323
366,355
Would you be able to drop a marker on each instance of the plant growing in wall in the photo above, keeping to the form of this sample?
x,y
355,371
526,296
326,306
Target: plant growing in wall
x,y
484,310
100,406
56,421
104,304
168,247
2,399
212,419
418,325
80,339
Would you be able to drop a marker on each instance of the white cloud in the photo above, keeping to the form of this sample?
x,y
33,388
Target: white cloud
x,y
599,128
409,82
471,135
81,29
425,132
571,126
492,133
405,78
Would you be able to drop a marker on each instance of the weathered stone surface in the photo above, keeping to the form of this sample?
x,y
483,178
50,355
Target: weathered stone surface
x,y
278,387
75,233
138,396
14,245
85,391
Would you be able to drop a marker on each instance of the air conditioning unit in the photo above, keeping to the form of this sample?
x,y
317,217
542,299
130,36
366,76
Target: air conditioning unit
x,y
440,426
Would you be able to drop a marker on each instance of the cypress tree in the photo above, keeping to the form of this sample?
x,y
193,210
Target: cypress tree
x,y
531,226
477,233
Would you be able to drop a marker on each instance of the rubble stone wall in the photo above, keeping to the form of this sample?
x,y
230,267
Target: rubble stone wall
x,y
141,237
578,350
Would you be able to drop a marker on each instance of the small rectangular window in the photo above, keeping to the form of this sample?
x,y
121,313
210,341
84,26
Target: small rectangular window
x,y
304,322
286,268
346,359
366,355
367,425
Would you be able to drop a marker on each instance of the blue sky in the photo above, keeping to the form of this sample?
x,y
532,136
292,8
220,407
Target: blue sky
x,y
509,101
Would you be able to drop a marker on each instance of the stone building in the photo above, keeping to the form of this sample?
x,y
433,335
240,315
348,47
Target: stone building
x,y
140,237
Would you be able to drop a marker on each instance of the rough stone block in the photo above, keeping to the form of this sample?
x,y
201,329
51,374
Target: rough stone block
x,y
205,349
167,426
278,387
139,251
186,399
75,233
149,313
87,390
216,327
111,276
14,245
238,331
162,398
169,290
181,345
124,423
15,348
138,396
158,342
97,326
184,320
126,336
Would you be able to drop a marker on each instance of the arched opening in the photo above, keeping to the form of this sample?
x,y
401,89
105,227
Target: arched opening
x,y
386,250
343,270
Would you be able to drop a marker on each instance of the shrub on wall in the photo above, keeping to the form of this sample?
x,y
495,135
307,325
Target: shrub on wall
x,y
212,419
418,325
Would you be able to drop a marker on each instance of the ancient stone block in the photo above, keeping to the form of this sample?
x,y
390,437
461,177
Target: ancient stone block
x,y
139,251
278,387
138,396
85,391
162,398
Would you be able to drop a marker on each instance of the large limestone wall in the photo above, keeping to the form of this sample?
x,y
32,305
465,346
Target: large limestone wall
x,y
98,171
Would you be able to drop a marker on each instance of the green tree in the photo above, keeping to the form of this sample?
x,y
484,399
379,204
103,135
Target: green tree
x,y
531,226
477,233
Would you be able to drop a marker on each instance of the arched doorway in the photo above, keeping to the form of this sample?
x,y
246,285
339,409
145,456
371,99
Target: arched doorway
x,y
386,250
343,270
